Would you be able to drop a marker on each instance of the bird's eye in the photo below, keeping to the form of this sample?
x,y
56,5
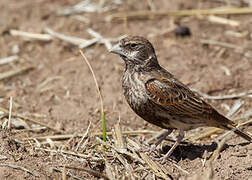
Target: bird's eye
x,y
133,45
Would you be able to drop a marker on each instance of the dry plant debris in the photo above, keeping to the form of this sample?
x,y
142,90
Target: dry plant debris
x,y
194,12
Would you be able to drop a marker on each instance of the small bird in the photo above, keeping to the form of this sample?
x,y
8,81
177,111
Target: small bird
x,y
159,98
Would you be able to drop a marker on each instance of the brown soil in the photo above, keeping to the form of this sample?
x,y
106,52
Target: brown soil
x,y
60,92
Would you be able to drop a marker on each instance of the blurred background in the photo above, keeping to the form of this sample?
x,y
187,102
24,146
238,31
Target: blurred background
x,y
207,44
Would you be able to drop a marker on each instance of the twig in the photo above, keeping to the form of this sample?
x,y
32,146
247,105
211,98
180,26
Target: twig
x,y
70,153
83,137
10,110
100,96
55,137
128,132
121,151
180,168
84,43
90,171
220,146
73,40
231,96
67,136
147,141
8,59
64,173
15,72
238,49
193,12
31,36
155,166
127,166
2,157
49,79
223,44
222,20
101,40
118,137
20,168
109,170
87,6
67,173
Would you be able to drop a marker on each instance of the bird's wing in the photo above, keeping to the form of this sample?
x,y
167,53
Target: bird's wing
x,y
176,97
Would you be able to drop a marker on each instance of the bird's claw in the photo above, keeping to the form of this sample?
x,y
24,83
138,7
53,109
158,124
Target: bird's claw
x,y
152,148
163,159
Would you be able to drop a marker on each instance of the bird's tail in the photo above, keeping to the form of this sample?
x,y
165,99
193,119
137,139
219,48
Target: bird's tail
x,y
238,132
242,134
227,124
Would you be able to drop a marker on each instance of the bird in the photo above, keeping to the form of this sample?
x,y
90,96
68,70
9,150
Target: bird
x,y
159,98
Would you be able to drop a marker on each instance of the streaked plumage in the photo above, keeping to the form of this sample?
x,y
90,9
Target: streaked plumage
x,y
159,98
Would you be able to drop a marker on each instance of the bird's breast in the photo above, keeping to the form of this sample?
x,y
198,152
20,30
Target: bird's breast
x,y
134,92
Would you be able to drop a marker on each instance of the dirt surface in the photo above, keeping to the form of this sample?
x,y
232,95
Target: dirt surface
x,y
59,90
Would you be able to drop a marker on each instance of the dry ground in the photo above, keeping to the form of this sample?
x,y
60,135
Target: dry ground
x,y
58,90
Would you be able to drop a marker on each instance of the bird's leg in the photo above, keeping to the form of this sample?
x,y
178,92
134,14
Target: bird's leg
x,y
168,154
154,146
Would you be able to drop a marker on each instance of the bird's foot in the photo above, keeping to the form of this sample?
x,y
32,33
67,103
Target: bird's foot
x,y
163,159
152,148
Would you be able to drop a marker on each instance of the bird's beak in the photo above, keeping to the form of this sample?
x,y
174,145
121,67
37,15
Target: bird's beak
x,y
117,50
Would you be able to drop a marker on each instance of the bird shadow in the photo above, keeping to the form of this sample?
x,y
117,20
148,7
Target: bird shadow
x,y
190,151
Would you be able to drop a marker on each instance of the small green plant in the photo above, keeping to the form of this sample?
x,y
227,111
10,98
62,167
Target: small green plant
x,y
104,134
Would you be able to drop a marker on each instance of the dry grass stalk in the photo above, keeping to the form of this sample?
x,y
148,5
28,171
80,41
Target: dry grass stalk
x,y
31,36
70,39
127,166
231,96
89,171
121,151
180,168
67,143
109,170
64,173
55,137
154,166
70,153
223,44
68,173
221,20
35,129
100,97
238,49
7,60
20,168
155,136
219,148
133,133
194,12
10,111
3,157
83,137
15,72
45,82
89,6
120,144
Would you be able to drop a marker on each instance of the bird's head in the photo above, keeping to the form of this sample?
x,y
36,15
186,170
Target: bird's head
x,y
136,51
